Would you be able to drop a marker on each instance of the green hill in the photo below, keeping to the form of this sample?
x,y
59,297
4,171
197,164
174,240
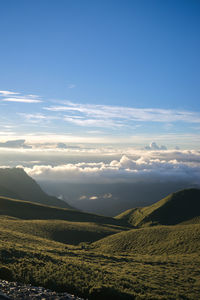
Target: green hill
x,y
60,231
32,211
15,183
158,240
176,208
40,244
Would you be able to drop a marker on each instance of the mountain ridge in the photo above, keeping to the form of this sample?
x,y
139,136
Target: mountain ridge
x,y
15,183
176,208
27,210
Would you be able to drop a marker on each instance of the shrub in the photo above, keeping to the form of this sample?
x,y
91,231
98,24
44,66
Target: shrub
x,y
6,273
107,292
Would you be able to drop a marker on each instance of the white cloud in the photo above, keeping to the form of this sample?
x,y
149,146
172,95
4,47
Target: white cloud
x,y
22,100
144,166
7,93
107,196
92,122
103,112
37,117
93,198
154,146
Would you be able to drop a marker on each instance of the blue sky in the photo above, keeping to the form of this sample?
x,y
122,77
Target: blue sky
x,y
100,71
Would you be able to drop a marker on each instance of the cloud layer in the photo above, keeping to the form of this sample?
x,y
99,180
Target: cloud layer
x,y
15,144
149,166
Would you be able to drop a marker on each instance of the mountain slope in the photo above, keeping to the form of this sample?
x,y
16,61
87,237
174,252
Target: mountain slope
x,y
58,230
158,240
31,211
15,183
176,208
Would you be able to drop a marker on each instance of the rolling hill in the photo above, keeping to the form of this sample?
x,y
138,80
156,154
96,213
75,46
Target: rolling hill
x,y
158,240
66,232
15,183
176,208
31,211
40,244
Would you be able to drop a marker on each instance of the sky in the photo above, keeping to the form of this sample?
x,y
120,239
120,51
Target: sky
x,y
125,73
101,92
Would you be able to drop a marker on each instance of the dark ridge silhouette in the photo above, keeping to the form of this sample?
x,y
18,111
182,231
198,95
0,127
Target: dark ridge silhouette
x,y
15,183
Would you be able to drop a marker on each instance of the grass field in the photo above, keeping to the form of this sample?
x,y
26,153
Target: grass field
x,y
158,240
61,231
98,257
32,211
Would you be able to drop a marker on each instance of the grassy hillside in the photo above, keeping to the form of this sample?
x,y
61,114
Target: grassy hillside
x,y
158,240
27,210
95,274
15,183
176,208
41,245
60,231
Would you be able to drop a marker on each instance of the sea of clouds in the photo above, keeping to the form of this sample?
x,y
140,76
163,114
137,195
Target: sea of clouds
x,y
79,164
134,166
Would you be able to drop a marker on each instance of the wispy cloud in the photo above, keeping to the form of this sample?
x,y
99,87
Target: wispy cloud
x,y
22,100
9,96
8,93
7,133
116,113
71,86
92,122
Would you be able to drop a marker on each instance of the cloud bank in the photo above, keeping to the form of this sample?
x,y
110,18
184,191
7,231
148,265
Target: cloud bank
x,y
152,166
15,144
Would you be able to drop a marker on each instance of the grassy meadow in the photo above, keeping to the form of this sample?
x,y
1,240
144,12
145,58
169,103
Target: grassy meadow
x,y
97,257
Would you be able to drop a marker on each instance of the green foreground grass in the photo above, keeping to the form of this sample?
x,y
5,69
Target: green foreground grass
x,y
158,240
98,257
94,272
61,231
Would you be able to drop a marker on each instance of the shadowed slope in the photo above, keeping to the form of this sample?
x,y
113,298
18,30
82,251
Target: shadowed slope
x,y
60,231
32,211
15,183
176,208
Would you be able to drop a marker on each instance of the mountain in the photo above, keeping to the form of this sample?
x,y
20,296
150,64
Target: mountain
x,y
15,183
182,206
